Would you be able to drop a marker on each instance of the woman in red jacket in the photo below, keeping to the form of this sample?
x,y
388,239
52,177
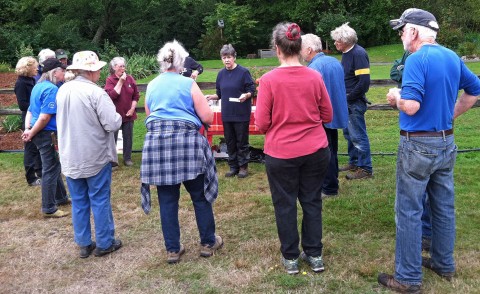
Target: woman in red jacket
x,y
292,105
122,88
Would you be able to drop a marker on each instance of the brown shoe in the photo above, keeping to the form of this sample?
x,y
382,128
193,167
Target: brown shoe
x,y
427,263
348,167
231,173
243,173
389,282
207,250
174,257
359,173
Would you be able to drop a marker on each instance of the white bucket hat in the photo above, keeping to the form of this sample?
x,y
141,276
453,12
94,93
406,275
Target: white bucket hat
x,y
86,60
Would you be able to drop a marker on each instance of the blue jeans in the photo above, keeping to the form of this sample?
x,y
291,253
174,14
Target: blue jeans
x,y
426,219
168,196
298,178
92,193
424,164
357,137
53,189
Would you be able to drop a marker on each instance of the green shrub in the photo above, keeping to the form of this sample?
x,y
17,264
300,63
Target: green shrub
x,y
5,67
12,123
468,49
24,50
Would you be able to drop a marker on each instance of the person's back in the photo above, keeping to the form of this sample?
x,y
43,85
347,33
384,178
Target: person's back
x,y
85,128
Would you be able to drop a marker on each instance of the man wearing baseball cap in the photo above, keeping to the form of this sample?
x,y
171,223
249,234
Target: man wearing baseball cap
x,y
86,120
428,104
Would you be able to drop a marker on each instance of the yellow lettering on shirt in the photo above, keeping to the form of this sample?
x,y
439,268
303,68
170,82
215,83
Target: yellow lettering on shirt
x,y
362,71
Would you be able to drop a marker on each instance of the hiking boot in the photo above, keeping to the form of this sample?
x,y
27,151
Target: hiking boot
x,y
243,173
174,257
57,214
347,167
389,282
85,251
324,195
231,173
427,263
316,263
208,250
37,182
128,162
426,242
358,174
117,244
291,265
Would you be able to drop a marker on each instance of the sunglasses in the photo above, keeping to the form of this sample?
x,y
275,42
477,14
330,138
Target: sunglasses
x,y
400,31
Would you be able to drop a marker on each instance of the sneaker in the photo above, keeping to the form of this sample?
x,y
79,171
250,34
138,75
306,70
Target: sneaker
x,y
37,182
324,195
207,250
316,263
57,214
291,265
174,257
426,243
85,251
347,167
427,263
389,282
358,174
243,173
117,244
231,173
128,162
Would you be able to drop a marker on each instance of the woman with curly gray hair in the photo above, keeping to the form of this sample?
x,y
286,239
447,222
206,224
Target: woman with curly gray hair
x,y
174,152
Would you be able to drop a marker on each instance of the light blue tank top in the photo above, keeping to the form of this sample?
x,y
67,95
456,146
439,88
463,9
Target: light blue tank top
x,y
169,97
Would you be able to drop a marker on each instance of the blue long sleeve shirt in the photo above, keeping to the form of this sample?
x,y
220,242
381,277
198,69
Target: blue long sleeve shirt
x,y
357,73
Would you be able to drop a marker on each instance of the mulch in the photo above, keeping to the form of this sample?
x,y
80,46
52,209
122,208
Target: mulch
x,y
9,141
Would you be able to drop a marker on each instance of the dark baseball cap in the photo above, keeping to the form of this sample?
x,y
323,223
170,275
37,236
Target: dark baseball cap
x,y
415,16
52,63
60,53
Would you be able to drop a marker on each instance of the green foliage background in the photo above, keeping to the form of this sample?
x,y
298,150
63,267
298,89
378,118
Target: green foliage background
x,y
143,26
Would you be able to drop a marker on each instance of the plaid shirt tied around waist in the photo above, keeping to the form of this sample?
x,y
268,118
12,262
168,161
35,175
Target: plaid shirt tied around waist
x,y
173,152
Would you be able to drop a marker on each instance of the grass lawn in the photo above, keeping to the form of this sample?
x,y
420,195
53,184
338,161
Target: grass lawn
x,y
39,255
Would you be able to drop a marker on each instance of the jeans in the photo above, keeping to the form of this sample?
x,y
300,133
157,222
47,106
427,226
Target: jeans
x,y
357,137
238,148
32,162
298,178
92,193
330,183
424,164
426,219
127,137
168,197
53,189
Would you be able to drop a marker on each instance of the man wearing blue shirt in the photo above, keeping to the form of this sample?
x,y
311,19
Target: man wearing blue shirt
x,y
428,104
332,74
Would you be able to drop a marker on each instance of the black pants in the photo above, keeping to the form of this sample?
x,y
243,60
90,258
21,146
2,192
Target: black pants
x,y
330,183
32,162
127,137
238,148
301,178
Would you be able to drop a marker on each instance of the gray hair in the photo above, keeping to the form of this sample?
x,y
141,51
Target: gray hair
x,y
228,50
45,54
172,56
423,32
344,34
49,76
312,41
114,62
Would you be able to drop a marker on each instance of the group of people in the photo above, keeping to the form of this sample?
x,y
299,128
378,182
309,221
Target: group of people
x,y
300,110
